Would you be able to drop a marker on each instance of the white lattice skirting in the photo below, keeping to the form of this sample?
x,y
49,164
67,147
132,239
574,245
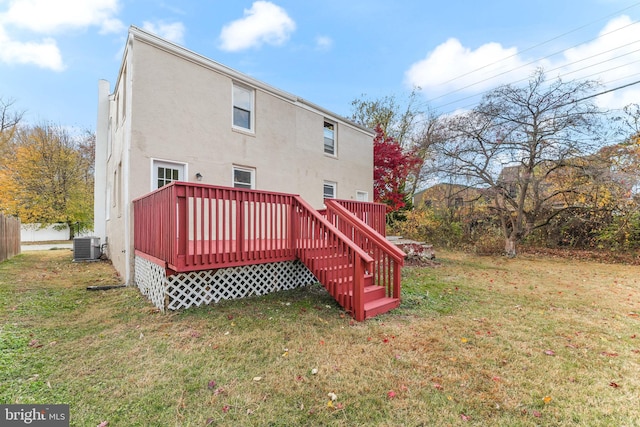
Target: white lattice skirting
x,y
195,288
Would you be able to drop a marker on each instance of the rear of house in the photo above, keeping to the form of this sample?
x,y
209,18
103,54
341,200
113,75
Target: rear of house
x,y
175,115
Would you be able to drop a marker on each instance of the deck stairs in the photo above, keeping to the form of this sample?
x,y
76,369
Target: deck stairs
x,y
339,282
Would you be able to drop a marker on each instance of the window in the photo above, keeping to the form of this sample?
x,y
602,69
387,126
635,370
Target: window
x,y
329,138
244,177
165,172
242,107
362,196
329,191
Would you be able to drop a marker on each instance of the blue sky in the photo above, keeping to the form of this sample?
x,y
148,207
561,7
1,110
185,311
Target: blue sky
x,y
53,52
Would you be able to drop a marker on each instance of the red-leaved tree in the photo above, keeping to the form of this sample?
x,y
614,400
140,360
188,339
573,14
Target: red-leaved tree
x,y
391,168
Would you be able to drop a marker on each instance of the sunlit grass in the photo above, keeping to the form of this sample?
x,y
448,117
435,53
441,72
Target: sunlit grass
x,y
477,341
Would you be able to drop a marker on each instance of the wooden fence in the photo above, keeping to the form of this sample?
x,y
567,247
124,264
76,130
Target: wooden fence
x,y
9,237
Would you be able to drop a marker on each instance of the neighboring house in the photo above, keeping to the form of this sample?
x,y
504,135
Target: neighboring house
x,y
175,115
448,196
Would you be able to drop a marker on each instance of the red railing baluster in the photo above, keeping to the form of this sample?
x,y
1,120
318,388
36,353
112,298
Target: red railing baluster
x,y
191,226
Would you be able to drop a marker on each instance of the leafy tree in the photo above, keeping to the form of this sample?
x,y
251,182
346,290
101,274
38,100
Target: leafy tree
x,y
48,177
519,144
391,167
413,128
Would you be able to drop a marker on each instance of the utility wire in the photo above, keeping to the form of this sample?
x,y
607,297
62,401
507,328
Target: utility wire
x,y
543,43
527,64
565,74
575,101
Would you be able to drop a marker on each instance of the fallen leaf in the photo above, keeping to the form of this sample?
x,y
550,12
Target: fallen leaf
x,y
465,417
226,408
208,422
103,424
607,353
537,414
614,384
546,399
391,394
256,379
332,396
211,385
438,386
464,340
314,371
549,353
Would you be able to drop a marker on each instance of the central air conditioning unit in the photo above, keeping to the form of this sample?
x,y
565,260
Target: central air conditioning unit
x,y
86,248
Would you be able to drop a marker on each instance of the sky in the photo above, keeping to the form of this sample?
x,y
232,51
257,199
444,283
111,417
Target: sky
x,y
329,52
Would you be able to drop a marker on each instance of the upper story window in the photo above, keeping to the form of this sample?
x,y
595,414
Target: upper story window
x,y
330,138
362,196
244,177
243,107
329,190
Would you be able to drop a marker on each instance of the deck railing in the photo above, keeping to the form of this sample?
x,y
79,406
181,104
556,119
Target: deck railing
x,y
197,226
388,258
337,262
189,226
372,214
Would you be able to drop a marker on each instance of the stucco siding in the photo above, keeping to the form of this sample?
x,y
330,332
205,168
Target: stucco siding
x,y
173,105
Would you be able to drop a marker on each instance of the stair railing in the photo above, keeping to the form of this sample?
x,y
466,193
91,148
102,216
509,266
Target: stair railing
x,y
388,258
338,263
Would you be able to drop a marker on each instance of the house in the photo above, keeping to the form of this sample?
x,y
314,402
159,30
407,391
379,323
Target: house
x,y
200,168
448,196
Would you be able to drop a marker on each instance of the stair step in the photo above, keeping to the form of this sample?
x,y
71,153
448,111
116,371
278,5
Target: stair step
x,y
380,306
345,280
371,293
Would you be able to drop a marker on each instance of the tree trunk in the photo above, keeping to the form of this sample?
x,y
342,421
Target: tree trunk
x,y
510,246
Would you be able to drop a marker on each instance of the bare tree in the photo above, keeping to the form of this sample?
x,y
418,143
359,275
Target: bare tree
x,y
413,126
9,121
523,145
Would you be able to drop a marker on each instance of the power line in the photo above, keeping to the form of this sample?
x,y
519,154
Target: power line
x,y
575,101
528,63
543,43
565,74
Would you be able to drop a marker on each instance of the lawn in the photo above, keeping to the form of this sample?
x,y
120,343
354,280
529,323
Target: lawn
x,y
477,341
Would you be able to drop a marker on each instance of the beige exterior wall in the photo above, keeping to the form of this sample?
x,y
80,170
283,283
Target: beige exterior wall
x,y
173,105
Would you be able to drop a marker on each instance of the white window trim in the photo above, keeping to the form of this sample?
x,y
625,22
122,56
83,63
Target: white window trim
x,y
335,189
252,112
362,196
153,178
251,170
335,138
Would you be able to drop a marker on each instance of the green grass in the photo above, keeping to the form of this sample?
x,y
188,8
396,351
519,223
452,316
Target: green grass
x,y
476,341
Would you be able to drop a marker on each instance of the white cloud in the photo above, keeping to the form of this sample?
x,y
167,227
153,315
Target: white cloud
x,y
44,54
612,59
459,71
324,43
171,31
445,68
48,16
265,22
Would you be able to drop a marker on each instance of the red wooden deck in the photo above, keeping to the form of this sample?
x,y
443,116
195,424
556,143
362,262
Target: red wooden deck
x,y
189,227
